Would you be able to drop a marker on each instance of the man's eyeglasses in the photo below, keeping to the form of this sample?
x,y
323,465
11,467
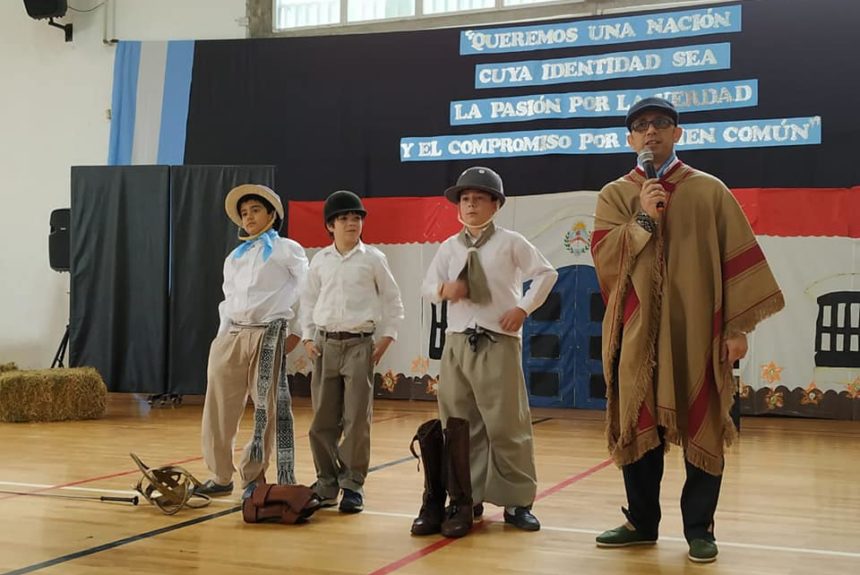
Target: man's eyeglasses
x,y
660,123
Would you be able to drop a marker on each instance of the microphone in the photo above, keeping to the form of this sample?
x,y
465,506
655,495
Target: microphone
x,y
646,158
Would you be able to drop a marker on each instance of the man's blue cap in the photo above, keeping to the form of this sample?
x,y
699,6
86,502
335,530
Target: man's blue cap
x,y
651,103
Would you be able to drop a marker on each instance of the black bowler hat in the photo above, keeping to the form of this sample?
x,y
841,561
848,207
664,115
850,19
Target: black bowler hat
x,y
651,103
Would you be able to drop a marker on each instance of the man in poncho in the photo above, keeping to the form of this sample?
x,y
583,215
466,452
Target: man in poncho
x,y
684,281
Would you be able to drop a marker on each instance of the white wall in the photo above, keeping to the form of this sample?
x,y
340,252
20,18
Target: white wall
x,y
53,101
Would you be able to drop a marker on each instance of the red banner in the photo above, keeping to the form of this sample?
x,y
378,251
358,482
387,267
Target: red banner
x,y
784,212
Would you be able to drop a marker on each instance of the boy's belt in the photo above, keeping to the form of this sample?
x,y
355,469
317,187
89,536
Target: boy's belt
x,y
474,334
341,335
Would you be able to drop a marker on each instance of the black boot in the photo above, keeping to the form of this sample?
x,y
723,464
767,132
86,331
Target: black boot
x,y
431,442
458,514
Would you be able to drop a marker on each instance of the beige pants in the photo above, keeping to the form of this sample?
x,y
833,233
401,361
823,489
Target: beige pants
x,y
487,388
342,398
232,376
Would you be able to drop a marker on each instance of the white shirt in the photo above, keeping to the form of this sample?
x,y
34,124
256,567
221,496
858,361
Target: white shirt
x,y
258,292
353,292
508,259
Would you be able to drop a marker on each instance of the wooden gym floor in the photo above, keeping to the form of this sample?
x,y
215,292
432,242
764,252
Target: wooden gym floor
x,y
790,504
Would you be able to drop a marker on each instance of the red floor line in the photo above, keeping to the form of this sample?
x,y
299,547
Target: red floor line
x,y
571,480
135,470
439,544
91,479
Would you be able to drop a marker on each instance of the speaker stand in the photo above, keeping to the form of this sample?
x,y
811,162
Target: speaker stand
x,y
164,400
66,28
61,350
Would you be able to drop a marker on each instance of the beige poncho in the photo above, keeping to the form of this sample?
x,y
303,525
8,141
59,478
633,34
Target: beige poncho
x,y
671,300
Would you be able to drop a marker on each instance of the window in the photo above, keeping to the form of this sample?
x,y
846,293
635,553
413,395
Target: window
x,y
547,346
441,6
523,2
291,14
544,383
837,330
363,10
597,386
550,310
301,13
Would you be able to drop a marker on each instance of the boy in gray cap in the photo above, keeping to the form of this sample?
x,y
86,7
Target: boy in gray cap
x,y
482,396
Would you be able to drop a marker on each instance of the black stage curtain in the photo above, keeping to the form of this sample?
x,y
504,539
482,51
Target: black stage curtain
x,y
201,237
329,111
119,247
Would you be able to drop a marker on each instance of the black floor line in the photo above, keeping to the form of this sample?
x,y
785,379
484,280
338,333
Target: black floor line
x,y
120,542
390,464
190,522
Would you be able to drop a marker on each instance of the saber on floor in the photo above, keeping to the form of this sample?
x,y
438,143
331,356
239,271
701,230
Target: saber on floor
x,y
101,498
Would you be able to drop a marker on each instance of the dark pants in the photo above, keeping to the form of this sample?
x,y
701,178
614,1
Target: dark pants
x,y
698,499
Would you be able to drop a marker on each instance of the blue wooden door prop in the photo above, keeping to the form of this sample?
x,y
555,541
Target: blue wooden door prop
x,y
561,344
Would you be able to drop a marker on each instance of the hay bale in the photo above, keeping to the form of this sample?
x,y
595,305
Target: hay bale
x,y
52,394
4,367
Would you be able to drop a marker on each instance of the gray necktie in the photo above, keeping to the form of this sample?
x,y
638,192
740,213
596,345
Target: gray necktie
x,y
473,273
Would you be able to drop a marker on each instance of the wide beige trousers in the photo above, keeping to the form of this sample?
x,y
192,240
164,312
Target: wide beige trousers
x,y
232,376
487,388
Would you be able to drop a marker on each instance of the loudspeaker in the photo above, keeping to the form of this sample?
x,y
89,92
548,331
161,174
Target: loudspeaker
x,y
40,9
58,240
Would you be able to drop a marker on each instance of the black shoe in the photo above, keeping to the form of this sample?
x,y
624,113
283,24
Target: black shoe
x,y
351,502
312,506
213,489
522,518
325,501
478,510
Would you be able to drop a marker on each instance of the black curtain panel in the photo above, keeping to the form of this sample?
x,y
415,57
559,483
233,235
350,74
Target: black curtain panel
x,y
201,237
118,265
329,111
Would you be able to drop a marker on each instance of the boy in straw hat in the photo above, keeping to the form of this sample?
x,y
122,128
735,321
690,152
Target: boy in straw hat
x,y
482,396
261,281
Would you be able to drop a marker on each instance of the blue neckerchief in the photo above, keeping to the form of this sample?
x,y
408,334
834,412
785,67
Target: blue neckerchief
x,y
267,238
661,170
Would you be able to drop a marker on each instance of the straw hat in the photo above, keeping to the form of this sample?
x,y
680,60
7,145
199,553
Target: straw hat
x,y
231,202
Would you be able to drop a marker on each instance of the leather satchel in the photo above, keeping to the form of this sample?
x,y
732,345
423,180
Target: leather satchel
x,y
287,504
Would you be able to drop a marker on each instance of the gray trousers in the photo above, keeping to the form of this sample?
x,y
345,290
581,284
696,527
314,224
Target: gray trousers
x,y
342,399
232,375
487,388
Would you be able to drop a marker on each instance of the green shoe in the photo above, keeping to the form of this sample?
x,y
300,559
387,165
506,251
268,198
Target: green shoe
x,y
623,537
703,551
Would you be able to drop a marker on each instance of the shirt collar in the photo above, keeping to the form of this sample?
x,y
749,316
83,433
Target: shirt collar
x,y
667,165
359,247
